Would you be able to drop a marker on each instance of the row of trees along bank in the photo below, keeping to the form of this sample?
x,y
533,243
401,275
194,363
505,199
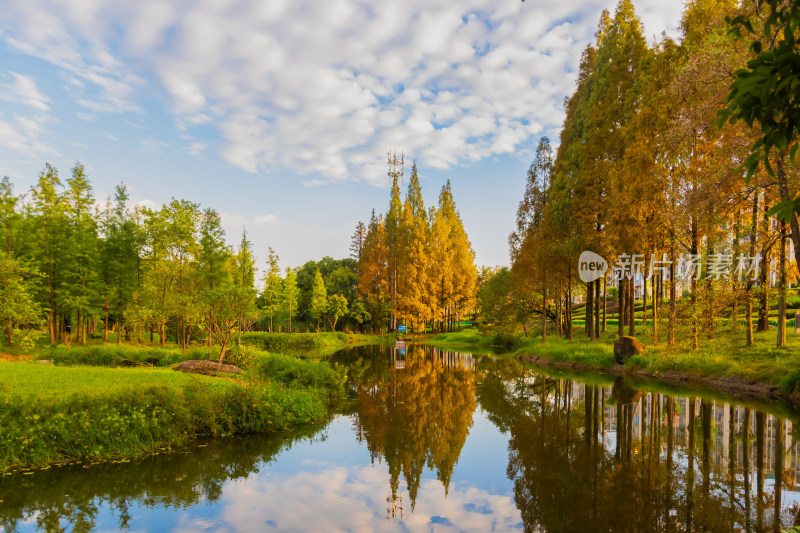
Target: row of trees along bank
x,y
645,166
415,266
79,268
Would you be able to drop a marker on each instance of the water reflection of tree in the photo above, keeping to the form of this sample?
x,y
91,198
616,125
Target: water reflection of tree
x,y
593,458
73,495
417,417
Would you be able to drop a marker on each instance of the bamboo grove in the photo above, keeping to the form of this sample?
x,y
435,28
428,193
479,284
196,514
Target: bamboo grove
x,y
644,166
416,267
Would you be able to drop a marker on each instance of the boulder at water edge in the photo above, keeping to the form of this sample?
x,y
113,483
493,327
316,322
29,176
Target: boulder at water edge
x,y
625,347
206,367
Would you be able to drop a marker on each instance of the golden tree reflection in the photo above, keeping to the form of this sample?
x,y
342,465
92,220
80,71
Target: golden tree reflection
x,y
418,416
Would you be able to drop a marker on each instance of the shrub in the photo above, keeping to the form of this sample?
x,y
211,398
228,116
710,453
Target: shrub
x,y
291,371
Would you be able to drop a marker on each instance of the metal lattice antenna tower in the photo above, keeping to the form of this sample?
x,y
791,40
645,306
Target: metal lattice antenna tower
x,y
394,162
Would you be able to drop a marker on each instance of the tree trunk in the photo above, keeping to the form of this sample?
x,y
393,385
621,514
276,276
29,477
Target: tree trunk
x,y
656,304
544,312
763,279
673,304
632,307
622,296
597,309
782,290
736,290
695,326
605,302
748,293
644,303
590,311
569,301
559,323
783,188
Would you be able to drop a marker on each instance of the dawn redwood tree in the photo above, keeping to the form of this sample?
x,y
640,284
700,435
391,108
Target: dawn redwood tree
x,y
244,275
319,298
45,247
81,281
289,295
213,254
270,295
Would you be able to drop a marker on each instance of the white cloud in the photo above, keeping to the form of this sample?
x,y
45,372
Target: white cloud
x,y
324,89
323,496
22,89
153,146
197,148
265,219
23,135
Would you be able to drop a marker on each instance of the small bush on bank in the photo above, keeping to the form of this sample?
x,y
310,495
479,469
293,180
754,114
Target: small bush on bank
x,y
291,371
122,355
292,341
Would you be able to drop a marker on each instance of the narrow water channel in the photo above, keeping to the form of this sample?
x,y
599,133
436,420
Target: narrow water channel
x,y
434,440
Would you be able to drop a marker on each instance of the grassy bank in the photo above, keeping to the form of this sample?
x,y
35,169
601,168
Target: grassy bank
x,y
725,355
311,343
56,414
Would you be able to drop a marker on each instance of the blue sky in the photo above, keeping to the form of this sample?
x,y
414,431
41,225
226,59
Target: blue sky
x,y
280,114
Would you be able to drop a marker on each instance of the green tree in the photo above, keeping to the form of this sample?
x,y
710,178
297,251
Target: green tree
x,y
244,277
10,218
213,254
290,295
358,312
337,307
319,298
81,289
272,288
19,311
47,218
222,310
171,248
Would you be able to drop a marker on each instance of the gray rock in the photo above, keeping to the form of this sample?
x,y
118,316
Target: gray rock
x,y
199,366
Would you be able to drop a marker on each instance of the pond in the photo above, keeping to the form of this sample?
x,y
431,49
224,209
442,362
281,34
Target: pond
x,y
434,440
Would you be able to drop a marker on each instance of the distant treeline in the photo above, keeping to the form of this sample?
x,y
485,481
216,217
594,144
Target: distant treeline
x,y
79,268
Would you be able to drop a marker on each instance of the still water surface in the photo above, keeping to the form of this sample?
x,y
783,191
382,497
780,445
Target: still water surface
x,y
440,441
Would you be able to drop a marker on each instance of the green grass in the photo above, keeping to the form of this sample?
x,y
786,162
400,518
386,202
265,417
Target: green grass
x,y
468,336
72,413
